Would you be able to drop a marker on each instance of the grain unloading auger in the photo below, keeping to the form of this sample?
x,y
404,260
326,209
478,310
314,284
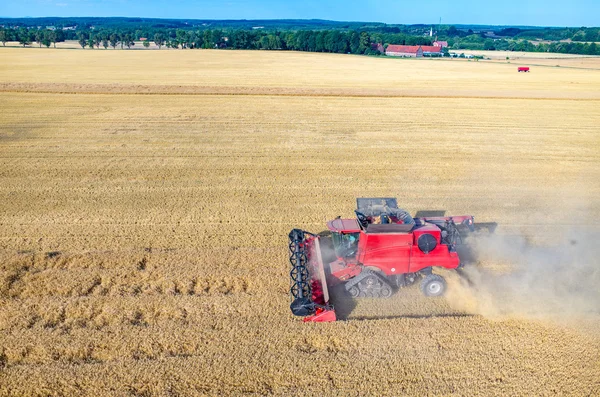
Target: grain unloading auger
x,y
379,251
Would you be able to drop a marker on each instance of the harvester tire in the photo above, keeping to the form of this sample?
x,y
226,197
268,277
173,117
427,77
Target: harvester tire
x,y
354,291
433,285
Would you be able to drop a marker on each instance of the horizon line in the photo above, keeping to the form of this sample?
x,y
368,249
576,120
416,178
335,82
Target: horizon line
x,y
303,19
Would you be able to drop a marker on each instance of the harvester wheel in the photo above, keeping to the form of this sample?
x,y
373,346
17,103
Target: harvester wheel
x,y
433,285
386,291
369,284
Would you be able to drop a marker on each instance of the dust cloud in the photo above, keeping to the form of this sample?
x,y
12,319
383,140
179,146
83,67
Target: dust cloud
x,y
513,277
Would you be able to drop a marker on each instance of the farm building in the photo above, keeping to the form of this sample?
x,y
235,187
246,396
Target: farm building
x,y
431,50
413,51
377,47
443,44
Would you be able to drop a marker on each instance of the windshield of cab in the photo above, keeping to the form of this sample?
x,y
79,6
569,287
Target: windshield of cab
x,y
345,244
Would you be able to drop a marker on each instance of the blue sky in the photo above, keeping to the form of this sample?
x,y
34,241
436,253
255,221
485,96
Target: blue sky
x,y
494,12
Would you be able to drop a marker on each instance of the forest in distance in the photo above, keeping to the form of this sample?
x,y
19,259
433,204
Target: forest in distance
x,y
298,35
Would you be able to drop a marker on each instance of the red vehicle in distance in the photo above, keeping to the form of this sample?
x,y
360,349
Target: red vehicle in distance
x,y
382,249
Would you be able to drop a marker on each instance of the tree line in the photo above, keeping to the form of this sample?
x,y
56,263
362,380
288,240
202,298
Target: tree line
x,y
329,40
335,41
476,42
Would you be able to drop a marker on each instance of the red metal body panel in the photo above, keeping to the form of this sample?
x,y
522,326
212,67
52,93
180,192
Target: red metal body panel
x,y
389,252
523,69
394,253
343,270
321,316
440,256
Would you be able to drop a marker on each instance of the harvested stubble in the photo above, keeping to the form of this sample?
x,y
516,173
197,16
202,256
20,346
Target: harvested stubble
x,y
143,237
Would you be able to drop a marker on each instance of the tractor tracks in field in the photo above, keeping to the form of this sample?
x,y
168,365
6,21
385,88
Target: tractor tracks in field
x,y
410,316
62,275
190,90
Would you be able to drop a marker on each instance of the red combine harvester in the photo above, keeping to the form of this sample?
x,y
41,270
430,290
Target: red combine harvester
x,y
382,249
523,68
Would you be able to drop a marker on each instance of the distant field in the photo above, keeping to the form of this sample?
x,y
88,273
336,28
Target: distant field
x,y
146,198
526,55
284,73
539,58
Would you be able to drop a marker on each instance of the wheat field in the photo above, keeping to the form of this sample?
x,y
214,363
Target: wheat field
x,y
146,198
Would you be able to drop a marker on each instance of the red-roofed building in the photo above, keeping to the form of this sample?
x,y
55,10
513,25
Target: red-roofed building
x,y
377,47
432,50
412,51
442,44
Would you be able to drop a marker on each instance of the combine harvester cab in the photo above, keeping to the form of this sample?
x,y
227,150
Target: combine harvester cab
x,y
381,250
310,293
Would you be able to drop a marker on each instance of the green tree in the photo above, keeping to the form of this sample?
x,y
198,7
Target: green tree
x,y
128,39
328,42
241,39
217,37
90,43
301,40
320,42
97,40
452,31
46,38
592,49
365,43
488,44
264,42
82,39
191,39
181,37
114,40
336,41
198,41
355,43
59,37
592,35
270,42
207,39
105,41
52,36
159,40
3,36
39,35
23,37
579,36
146,43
